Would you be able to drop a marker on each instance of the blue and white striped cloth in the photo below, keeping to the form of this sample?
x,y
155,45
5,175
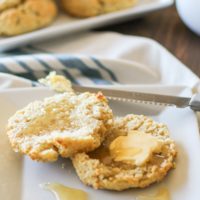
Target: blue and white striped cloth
x,y
78,70
117,61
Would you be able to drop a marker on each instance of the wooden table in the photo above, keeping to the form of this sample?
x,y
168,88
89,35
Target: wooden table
x,y
166,27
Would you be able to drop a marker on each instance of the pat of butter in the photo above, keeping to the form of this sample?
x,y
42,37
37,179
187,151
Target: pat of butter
x,y
137,147
57,82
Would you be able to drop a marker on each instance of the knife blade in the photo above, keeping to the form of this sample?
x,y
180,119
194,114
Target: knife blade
x,y
139,97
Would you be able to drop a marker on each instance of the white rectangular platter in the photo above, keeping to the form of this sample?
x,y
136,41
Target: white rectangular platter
x,y
20,177
65,24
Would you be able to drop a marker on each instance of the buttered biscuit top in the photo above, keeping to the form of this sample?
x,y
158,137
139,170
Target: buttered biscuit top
x,y
136,153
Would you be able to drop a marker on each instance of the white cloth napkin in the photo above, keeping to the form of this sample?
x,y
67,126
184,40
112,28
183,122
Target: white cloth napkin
x,y
139,52
148,53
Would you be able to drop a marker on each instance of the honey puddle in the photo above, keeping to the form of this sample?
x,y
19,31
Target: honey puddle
x,y
62,192
162,194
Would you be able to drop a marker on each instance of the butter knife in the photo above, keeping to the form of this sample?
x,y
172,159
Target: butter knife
x,y
139,97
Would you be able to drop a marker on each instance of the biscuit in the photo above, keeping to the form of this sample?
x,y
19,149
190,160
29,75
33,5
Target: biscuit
x,y
60,125
99,170
88,8
5,4
27,16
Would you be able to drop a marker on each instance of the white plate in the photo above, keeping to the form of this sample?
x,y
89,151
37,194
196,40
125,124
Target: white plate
x,y
20,176
66,24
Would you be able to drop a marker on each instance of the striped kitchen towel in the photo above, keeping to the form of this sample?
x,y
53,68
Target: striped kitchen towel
x,y
79,70
108,59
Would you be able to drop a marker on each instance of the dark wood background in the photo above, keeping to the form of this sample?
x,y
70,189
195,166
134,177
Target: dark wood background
x,y
166,27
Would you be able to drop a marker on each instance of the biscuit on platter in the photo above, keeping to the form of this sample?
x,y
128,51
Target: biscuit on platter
x,y
136,153
88,8
5,4
63,125
27,16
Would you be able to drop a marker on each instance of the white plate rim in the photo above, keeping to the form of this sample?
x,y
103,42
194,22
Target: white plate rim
x,y
29,89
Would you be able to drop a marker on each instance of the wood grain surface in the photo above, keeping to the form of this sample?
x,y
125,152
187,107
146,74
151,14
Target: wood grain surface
x,y
166,27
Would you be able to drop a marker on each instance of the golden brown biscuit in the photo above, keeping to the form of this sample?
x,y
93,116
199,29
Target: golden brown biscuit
x,y
60,125
28,16
88,8
136,153
5,4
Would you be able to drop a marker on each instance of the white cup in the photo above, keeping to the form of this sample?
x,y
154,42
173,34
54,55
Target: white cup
x,y
189,11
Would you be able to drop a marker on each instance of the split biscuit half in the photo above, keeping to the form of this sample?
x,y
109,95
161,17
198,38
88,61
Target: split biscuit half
x,y
136,153
64,125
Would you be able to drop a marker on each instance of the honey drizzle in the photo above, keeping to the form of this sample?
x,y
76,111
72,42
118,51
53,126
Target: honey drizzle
x,y
162,194
62,192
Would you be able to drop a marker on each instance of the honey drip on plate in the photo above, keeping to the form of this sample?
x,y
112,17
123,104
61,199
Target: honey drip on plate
x,y
162,194
62,192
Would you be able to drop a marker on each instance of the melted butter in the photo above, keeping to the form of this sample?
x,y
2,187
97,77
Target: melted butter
x,y
62,192
137,147
162,194
57,82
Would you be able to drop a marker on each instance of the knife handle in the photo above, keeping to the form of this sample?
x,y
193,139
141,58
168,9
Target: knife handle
x,y
195,102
